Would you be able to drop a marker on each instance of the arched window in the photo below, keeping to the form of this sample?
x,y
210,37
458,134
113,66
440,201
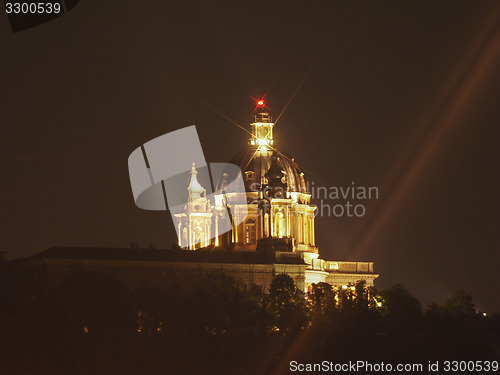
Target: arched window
x,y
198,232
266,225
279,225
306,230
250,231
301,228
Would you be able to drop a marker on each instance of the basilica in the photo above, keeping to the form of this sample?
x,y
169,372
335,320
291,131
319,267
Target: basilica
x,y
253,233
275,217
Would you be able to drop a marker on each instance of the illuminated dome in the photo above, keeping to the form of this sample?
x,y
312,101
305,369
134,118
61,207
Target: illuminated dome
x,y
261,164
255,164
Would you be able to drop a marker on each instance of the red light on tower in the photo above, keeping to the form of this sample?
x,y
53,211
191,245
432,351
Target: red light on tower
x,y
260,103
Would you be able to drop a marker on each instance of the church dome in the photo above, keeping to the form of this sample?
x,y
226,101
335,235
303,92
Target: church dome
x,y
254,165
261,164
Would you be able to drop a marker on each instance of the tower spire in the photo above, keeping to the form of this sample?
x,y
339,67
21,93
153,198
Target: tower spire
x,y
195,190
262,127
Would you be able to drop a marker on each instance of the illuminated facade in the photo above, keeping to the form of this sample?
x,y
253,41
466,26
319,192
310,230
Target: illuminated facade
x,y
277,218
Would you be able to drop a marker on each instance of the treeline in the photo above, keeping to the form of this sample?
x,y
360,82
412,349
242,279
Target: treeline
x,y
91,324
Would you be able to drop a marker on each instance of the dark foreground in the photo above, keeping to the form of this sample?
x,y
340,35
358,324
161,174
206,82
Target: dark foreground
x,y
91,324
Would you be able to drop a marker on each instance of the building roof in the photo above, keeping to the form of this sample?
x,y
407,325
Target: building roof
x,y
164,255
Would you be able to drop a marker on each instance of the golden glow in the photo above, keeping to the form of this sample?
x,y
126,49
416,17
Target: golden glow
x,y
262,144
308,255
279,225
344,286
377,302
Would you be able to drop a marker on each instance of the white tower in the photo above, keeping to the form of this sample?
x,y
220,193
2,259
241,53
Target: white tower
x,y
195,223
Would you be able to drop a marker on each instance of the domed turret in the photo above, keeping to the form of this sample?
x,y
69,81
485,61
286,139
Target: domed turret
x,y
257,160
278,204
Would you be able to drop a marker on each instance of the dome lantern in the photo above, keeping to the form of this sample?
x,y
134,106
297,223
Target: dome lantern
x,y
262,165
262,129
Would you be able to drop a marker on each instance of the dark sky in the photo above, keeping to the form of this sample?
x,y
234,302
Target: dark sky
x,y
403,96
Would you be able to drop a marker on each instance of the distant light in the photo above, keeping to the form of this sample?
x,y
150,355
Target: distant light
x,y
484,314
260,102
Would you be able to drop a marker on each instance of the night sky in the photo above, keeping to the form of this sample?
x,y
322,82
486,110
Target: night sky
x,y
403,96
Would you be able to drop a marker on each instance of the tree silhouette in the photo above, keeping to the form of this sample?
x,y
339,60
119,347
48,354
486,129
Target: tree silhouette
x,y
286,303
402,324
399,305
322,301
460,305
91,323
